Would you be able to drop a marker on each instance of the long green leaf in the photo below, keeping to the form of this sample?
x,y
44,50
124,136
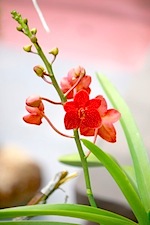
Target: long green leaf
x,y
74,160
138,152
28,222
121,179
68,210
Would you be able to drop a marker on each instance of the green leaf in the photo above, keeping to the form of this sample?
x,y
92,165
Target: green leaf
x,y
28,222
137,149
130,172
74,160
68,210
121,178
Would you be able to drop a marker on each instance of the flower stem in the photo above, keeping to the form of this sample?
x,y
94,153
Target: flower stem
x,y
50,71
85,169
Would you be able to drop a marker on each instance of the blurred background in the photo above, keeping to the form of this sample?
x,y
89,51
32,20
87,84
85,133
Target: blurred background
x,y
112,37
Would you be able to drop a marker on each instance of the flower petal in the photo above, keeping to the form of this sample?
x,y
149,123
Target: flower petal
x,y
81,98
33,110
111,116
71,120
107,132
86,131
92,119
70,106
84,83
65,85
103,106
33,101
32,119
93,103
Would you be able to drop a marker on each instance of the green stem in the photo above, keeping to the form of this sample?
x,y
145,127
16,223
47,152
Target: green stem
x,y
85,169
32,36
50,71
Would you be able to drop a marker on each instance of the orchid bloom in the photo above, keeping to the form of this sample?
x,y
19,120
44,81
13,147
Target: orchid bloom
x,y
73,75
82,112
106,130
35,107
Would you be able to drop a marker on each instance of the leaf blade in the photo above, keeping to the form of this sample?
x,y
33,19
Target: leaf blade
x,y
137,149
123,181
74,160
69,210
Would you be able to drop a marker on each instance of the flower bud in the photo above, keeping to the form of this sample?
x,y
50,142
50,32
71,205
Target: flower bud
x,y
25,21
39,70
19,28
33,39
54,51
34,31
27,48
33,101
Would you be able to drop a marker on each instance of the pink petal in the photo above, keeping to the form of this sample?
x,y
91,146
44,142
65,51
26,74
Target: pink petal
x,y
111,116
33,110
65,85
84,83
33,101
103,107
107,132
71,120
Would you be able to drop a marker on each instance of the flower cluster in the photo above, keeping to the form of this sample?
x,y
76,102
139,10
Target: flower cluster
x,y
90,116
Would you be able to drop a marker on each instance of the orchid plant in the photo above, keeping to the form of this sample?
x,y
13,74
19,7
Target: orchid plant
x,y
87,117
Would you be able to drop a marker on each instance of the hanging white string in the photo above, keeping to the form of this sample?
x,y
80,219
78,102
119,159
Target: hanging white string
x,y
39,12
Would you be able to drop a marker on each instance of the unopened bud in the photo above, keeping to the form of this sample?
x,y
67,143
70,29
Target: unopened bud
x,y
33,101
27,48
39,70
33,39
19,28
25,21
34,31
54,51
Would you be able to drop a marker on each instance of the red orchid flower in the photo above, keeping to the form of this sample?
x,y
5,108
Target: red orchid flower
x,y
35,107
72,77
106,130
82,112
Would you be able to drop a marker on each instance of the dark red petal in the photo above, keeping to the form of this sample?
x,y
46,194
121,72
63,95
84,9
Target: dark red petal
x,y
93,103
32,119
87,131
70,106
71,120
81,98
92,119
107,132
